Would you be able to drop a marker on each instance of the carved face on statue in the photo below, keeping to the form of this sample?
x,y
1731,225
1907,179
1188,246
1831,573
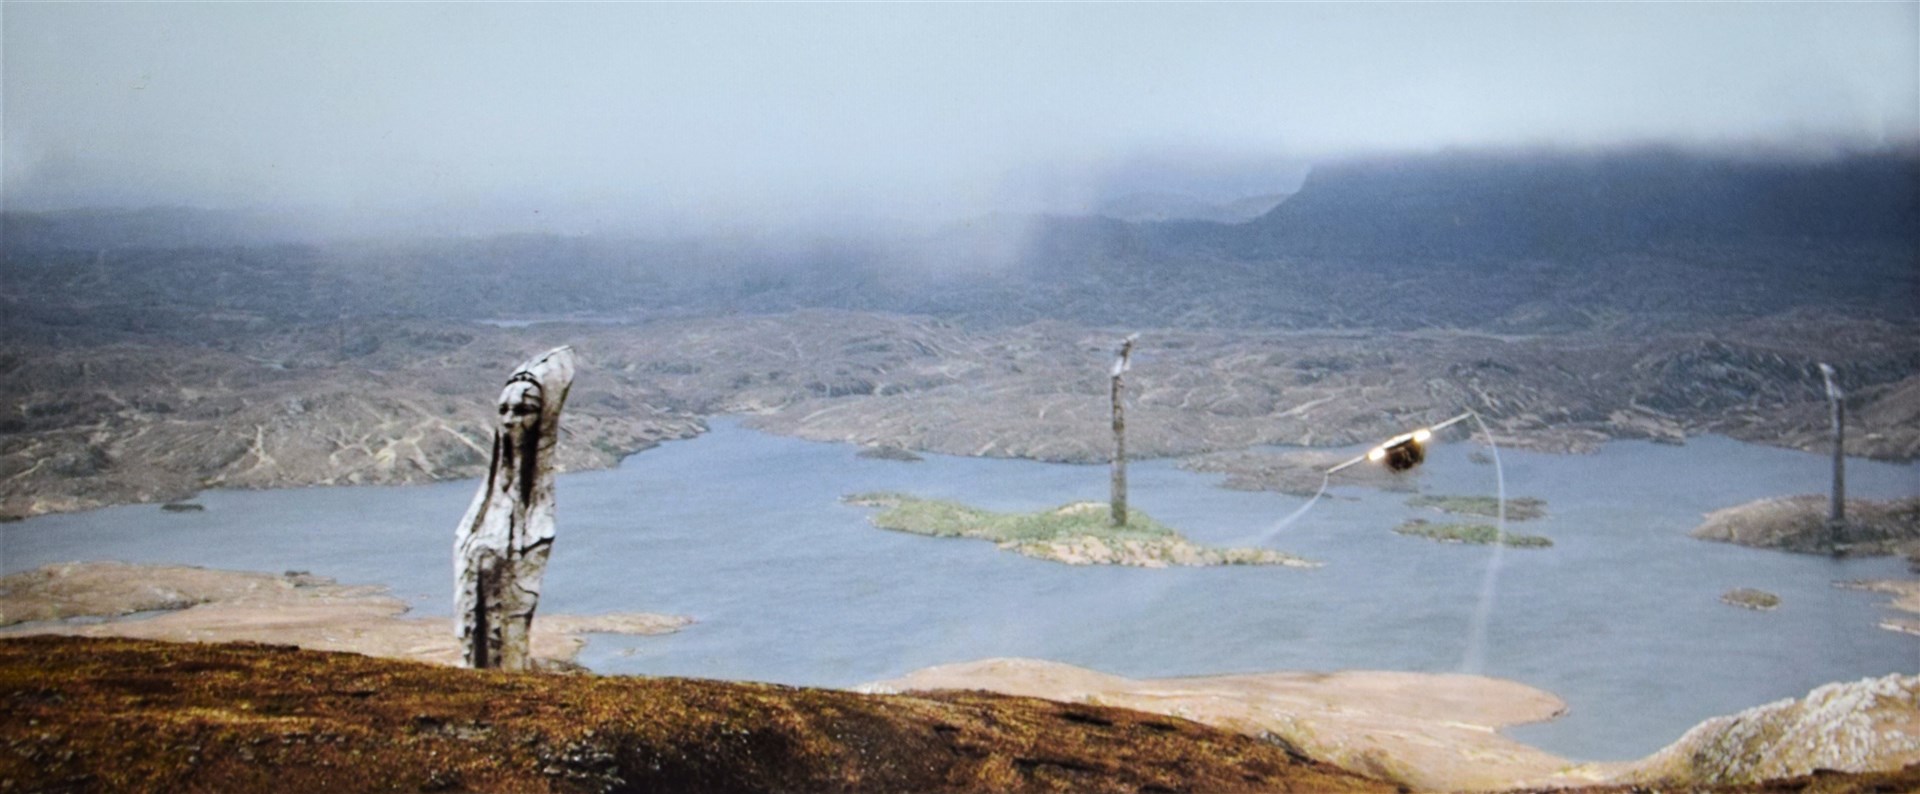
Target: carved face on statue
x,y
520,405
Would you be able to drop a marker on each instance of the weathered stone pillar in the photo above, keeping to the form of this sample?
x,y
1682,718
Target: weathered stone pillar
x,y
1118,500
500,549
1837,501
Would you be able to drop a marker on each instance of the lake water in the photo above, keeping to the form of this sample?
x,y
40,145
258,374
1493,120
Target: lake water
x,y
746,533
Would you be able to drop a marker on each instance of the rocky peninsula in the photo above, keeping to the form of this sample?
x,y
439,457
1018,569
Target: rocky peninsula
x,y
1799,524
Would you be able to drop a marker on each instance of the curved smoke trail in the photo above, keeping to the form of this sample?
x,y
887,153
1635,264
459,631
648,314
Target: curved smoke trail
x,y
1475,655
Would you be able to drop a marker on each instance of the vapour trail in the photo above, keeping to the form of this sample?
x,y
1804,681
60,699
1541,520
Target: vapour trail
x,y
1475,656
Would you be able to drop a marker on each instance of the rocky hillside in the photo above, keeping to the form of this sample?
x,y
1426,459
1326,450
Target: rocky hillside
x,y
1871,725
134,716
130,417
1568,298
98,714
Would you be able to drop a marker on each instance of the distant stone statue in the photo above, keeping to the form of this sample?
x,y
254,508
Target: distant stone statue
x,y
500,549
1122,362
1837,500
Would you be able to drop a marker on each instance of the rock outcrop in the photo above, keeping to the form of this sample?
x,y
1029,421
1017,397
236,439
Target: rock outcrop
x,y
1870,725
1799,524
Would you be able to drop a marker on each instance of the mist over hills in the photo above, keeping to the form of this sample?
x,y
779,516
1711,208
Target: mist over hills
x,y
1574,299
1510,240
1153,207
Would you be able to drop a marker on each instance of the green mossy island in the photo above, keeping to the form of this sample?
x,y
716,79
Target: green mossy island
x,y
1522,508
1749,598
1076,534
1480,534
884,452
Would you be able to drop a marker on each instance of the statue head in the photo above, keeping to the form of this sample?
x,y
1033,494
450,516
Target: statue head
x,y
521,404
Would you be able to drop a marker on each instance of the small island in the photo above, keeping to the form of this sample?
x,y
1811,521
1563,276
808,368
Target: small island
x,y
1519,508
1479,534
889,452
1749,598
1799,524
1075,534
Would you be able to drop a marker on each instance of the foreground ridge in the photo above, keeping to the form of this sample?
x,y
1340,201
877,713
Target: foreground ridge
x,y
135,715
105,714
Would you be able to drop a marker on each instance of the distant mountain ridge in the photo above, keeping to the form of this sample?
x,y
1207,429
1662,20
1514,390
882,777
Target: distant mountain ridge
x,y
1529,204
1510,240
1158,206
147,227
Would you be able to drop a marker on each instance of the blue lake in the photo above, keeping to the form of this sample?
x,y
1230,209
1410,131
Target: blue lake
x,y
746,533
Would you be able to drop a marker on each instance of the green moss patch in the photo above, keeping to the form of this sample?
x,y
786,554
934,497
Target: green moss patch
x,y
1749,598
1077,533
1480,534
1522,508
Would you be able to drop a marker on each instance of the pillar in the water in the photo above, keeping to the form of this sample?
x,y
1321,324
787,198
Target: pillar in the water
x,y
1117,500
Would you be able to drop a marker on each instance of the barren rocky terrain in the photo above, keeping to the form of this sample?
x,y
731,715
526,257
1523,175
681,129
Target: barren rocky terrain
x,y
1853,726
1659,294
134,418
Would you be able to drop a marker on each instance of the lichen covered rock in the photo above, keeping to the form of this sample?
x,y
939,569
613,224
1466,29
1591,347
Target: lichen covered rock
x,y
1870,725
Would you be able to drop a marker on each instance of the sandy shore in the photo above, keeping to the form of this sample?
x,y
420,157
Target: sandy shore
x,y
1434,732
203,605
1426,731
1906,602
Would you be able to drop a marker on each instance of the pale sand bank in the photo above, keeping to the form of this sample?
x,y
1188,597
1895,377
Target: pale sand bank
x,y
1906,599
1429,731
204,605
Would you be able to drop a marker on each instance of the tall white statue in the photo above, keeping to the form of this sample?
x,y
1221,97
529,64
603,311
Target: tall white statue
x,y
500,549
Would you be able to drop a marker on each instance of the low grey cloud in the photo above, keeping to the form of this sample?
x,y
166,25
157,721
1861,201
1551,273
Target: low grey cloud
x,y
675,116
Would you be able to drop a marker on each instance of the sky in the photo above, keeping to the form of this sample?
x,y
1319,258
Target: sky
x,y
683,116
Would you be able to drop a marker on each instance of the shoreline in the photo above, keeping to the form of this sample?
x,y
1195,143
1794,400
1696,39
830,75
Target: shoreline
x,y
1430,731
192,604
1243,468
1433,731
